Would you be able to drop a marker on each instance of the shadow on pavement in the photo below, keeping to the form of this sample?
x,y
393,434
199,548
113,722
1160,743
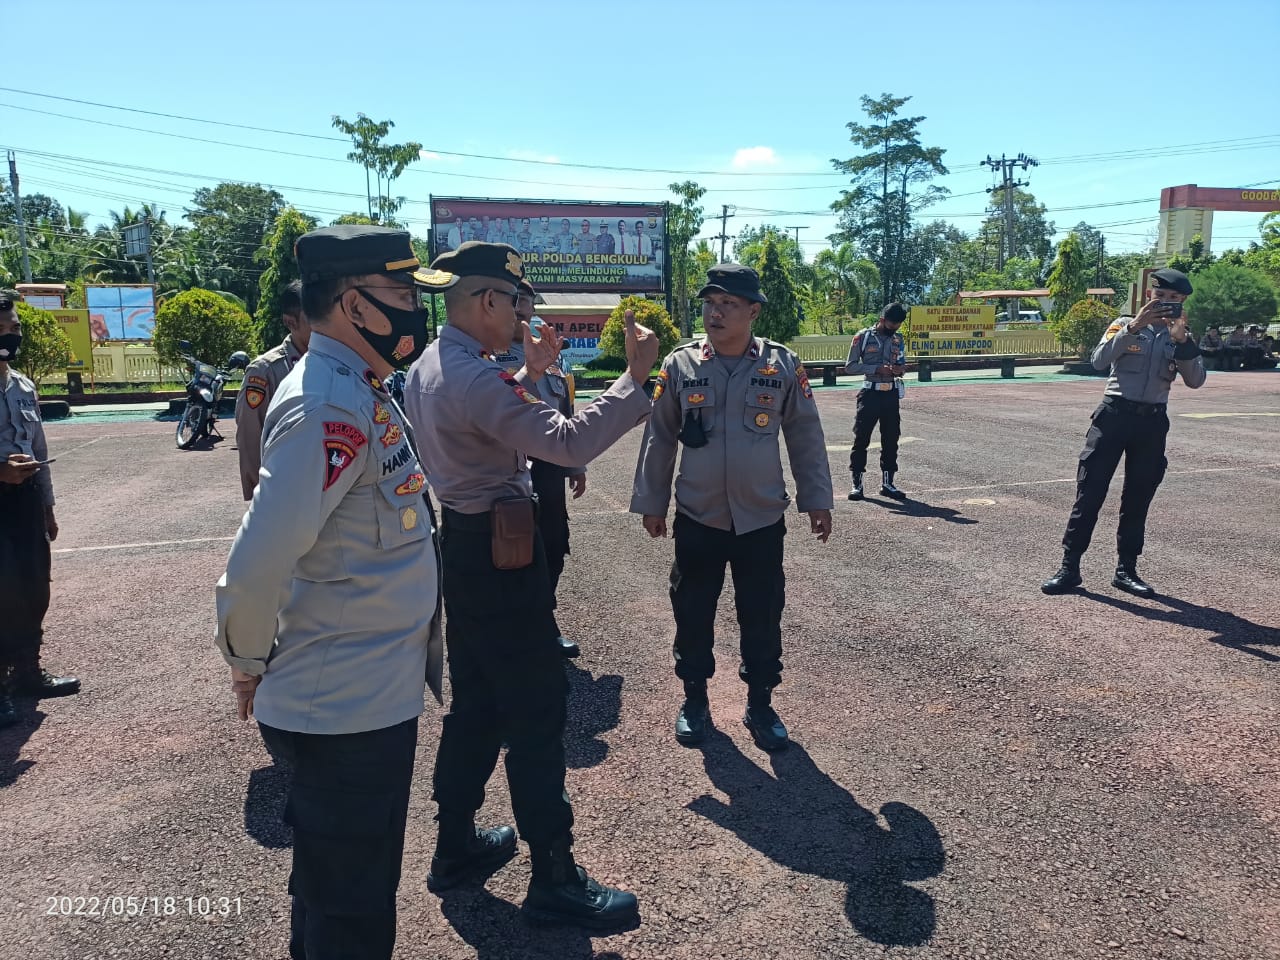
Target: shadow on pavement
x,y
14,738
803,820
595,706
264,806
918,508
495,931
1228,629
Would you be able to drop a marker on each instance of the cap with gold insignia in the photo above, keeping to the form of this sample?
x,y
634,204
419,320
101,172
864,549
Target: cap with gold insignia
x,y
352,250
1170,279
474,258
734,279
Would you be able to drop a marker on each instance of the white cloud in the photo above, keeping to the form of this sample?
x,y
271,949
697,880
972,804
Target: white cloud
x,y
754,157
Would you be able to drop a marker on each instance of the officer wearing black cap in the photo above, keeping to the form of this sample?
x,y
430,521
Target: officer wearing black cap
x,y
27,525
726,399
1145,354
477,426
327,611
549,479
879,354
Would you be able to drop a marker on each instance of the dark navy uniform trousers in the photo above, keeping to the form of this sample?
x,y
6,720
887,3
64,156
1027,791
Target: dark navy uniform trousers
x,y
876,406
1137,432
553,517
24,574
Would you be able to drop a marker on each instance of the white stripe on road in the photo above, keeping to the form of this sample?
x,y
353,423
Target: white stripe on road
x,y
1033,483
1208,416
139,546
843,447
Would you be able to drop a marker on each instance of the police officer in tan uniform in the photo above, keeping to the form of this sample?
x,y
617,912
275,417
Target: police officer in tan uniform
x,y
27,525
477,426
879,354
556,390
327,610
261,378
727,399
1146,354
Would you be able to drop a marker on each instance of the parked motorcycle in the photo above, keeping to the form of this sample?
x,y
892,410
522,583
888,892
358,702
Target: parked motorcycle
x,y
204,391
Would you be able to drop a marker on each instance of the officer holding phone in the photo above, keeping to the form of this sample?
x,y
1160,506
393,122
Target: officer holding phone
x,y
1145,353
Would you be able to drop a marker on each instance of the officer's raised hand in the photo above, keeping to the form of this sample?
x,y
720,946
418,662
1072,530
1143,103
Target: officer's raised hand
x,y
657,526
19,468
541,352
1178,329
819,523
1152,312
642,348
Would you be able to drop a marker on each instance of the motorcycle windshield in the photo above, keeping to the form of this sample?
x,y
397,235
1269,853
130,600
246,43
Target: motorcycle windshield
x,y
205,372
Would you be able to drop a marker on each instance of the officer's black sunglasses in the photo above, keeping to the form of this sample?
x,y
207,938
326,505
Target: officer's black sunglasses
x,y
513,294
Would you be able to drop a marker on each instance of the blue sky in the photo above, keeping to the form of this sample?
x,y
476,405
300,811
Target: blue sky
x,y
1117,100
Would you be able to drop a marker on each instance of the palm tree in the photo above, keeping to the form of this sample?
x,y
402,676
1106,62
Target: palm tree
x,y
846,279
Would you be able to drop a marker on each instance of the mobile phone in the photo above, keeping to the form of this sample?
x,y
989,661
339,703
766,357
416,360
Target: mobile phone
x,y
50,460
1172,309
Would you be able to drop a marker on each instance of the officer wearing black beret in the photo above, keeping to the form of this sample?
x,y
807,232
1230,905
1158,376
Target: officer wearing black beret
x,y
327,611
477,426
1145,354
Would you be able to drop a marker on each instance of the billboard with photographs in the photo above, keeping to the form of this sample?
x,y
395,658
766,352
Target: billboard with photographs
x,y
121,311
566,246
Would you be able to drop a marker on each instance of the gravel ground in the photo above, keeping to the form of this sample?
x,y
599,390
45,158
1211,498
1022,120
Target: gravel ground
x,y
978,770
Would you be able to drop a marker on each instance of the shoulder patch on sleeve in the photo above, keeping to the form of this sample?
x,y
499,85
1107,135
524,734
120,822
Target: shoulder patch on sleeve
x,y
518,387
338,456
1115,328
661,383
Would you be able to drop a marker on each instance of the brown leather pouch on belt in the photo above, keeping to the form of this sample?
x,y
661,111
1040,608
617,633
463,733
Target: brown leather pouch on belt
x,y
512,536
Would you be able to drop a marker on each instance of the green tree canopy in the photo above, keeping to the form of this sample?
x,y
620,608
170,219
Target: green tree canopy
x,y
381,160
281,270
846,282
1069,278
1227,295
891,185
46,348
684,220
779,319
230,222
1081,328
649,313
214,327
1032,233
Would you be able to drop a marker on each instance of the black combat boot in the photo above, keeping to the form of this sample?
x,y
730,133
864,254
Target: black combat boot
x,y
8,712
1127,579
887,489
464,852
561,892
856,493
1067,578
762,720
694,719
568,648
31,681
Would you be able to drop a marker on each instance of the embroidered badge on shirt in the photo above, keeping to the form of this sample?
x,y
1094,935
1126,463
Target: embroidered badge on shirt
x,y
380,413
515,385
754,352
256,381
768,370
338,456
371,380
254,397
803,379
764,399
404,347
696,398
347,431
1134,348
660,386
408,518
1113,330
706,351
391,436
762,419
413,484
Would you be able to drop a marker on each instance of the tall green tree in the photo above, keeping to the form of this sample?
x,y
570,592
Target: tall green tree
x,y
1226,295
383,162
779,318
1069,278
281,269
230,222
890,186
46,348
684,220
214,327
848,282
1032,233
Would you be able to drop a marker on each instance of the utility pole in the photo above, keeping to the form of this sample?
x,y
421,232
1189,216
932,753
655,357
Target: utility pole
x,y
799,255
723,235
1005,165
17,215
1102,257
151,269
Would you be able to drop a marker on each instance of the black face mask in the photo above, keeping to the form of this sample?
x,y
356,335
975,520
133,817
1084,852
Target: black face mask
x,y
408,336
10,344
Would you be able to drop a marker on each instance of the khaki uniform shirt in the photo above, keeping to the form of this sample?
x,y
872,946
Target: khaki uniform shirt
x,y
1144,364
330,588
261,378
22,430
555,388
735,481
478,425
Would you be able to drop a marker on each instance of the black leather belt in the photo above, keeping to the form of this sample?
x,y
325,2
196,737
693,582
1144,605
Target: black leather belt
x,y
1133,406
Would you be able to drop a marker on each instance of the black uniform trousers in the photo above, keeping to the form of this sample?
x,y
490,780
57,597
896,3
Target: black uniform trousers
x,y
759,588
508,681
553,517
876,406
1137,432
24,575
348,805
